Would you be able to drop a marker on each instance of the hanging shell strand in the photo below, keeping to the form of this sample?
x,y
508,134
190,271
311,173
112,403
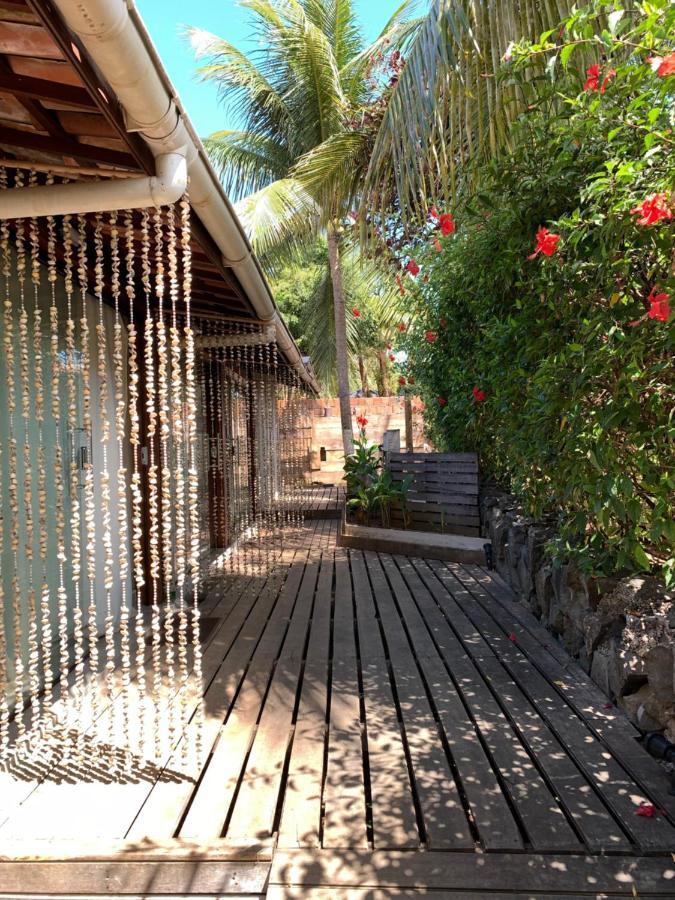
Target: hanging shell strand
x,y
85,382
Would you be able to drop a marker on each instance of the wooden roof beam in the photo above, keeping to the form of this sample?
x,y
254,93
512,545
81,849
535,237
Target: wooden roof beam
x,y
41,89
14,137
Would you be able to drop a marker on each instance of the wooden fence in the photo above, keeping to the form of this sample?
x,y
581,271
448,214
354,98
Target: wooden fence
x,y
443,495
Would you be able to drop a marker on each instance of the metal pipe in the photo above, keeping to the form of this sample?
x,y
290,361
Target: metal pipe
x,y
166,186
658,746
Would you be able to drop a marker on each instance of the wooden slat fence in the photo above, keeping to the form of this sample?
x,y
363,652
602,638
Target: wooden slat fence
x,y
443,496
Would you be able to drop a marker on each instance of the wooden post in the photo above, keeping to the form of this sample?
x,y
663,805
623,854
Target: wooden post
x,y
253,449
218,525
409,441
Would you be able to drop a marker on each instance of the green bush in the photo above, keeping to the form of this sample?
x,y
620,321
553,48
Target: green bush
x,y
574,359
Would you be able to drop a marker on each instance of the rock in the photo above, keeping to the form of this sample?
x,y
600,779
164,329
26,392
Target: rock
x,y
602,668
634,705
658,663
669,730
543,589
622,631
560,600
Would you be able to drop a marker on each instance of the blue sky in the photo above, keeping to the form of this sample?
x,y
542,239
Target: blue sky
x,y
164,19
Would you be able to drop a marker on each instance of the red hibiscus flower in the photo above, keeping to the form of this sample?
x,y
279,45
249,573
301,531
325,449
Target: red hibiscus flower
x,y
361,421
667,66
611,73
652,210
392,358
447,224
547,243
431,337
646,809
442,322
401,381
478,395
660,307
411,380
399,283
442,401
433,213
413,268
402,327
593,73
437,245
356,313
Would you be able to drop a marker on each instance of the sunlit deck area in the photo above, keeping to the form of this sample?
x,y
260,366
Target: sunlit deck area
x,y
376,726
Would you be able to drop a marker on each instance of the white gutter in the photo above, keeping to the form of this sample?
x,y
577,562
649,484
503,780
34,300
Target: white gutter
x,y
167,186
115,38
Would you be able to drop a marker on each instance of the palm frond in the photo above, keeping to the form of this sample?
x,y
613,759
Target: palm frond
x,y
242,85
315,94
331,172
449,107
280,219
246,161
318,328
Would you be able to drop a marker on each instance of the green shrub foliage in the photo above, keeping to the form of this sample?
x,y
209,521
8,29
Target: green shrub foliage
x,y
574,358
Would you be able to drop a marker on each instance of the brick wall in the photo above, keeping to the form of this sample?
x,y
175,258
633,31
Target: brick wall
x,y
320,420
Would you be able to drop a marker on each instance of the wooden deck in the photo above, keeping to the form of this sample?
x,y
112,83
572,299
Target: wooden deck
x,y
377,726
321,501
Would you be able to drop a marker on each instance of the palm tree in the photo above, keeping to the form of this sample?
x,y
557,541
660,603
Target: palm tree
x,y
449,111
304,292
301,93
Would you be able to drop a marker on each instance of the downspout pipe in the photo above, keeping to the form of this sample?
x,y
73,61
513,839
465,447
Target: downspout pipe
x,y
167,186
115,37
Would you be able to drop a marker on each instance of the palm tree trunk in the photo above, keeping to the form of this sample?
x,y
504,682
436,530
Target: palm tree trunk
x,y
364,377
342,363
382,359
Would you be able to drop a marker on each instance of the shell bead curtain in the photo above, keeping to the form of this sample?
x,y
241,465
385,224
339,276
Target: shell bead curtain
x,y
95,373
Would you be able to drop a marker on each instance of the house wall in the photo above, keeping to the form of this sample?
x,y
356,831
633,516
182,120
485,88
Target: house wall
x,y
45,522
320,422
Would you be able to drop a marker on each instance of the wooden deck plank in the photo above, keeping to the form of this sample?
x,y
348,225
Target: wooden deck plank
x,y
167,799
392,803
591,817
16,790
445,821
117,879
586,698
344,794
446,702
497,827
621,792
40,814
574,875
210,803
300,824
539,811
291,892
255,807
393,540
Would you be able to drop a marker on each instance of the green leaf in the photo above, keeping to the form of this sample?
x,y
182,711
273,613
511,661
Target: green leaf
x,y
566,52
641,557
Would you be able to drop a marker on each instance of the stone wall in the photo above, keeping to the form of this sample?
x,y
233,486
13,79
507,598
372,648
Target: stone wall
x,y
622,631
319,420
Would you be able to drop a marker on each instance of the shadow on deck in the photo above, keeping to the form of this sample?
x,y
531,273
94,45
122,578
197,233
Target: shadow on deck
x,y
376,726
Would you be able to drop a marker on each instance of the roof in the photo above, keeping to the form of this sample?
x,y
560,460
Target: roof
x,y
58,110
